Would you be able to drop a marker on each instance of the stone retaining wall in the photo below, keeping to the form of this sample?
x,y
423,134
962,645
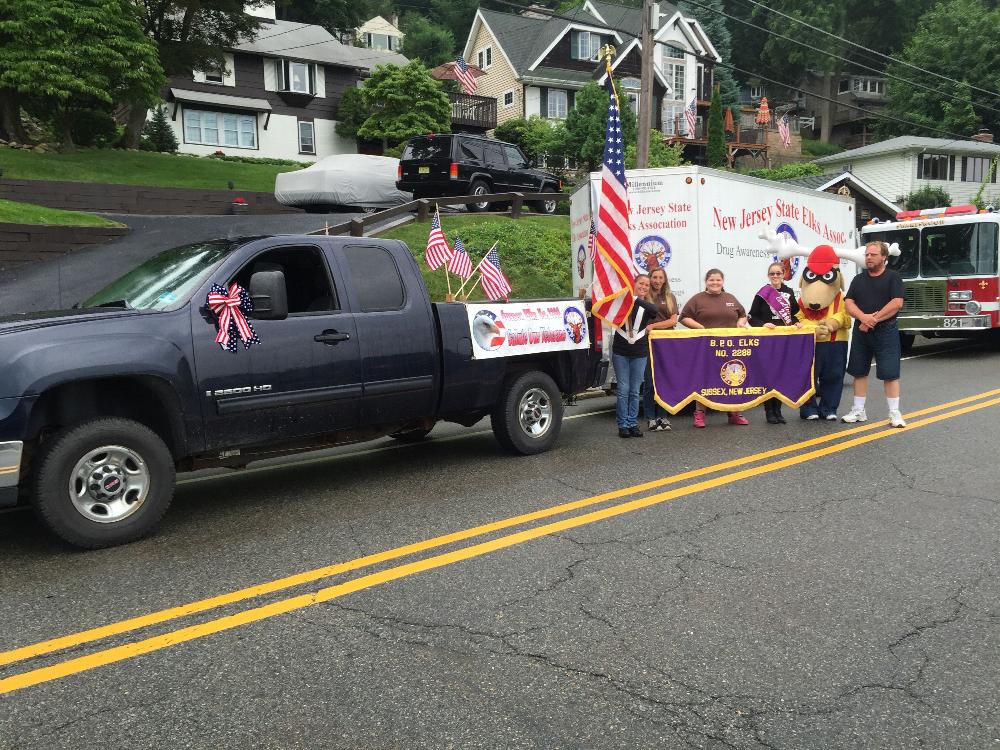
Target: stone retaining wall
x,y
136,199
28,243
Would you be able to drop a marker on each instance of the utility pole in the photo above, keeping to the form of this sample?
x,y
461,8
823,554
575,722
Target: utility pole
x,y
650,21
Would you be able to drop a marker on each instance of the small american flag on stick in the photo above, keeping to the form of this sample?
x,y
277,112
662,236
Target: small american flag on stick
x,y
691,114
465,76
495,284
438,251
783,131
592,240
460,263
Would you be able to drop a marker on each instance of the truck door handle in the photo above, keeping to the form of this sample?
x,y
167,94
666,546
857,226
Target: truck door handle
x,y
332,337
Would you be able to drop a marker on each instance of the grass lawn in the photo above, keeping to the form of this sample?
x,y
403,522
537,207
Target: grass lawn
x,y
534,252
138,168
12,212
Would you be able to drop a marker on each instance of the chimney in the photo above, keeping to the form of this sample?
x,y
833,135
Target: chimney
x,y
394,20
983,135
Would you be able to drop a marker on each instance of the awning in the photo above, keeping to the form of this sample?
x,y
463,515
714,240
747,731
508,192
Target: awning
x,y
220,100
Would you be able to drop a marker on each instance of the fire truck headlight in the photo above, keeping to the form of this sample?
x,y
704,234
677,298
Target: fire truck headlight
x,y
973,307
962,296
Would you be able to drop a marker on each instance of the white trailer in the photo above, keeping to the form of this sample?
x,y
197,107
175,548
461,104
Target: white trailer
x,y
690,219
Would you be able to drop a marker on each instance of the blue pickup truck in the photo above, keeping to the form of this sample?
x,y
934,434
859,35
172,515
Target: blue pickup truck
x,y
102,404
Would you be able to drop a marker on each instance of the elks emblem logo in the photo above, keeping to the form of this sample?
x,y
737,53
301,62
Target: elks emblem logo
x,y
734,372
651,253
575,324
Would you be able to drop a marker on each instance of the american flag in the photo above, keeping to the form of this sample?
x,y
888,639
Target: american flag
x,y
691,113
465,76
786,138
495,284
592,240
613,289
438,251
460,263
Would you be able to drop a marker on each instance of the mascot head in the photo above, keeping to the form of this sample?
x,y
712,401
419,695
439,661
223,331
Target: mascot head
x,y
821,280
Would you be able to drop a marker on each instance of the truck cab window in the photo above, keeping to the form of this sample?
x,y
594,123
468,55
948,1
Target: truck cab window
x,y
376,280
306,277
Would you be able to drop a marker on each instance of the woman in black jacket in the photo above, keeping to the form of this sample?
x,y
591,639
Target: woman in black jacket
x,y
772,307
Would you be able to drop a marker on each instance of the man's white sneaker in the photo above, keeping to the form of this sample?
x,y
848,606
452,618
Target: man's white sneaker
x,y
856,415
896,419
812,417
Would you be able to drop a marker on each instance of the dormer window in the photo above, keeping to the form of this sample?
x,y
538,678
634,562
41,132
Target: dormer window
x,y
585,45
296,77
214,76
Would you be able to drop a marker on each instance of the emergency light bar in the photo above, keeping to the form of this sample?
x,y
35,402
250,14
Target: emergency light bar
x,y
933,213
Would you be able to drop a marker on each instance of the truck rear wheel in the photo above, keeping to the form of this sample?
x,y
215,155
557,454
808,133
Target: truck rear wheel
x,y
528,415
103,482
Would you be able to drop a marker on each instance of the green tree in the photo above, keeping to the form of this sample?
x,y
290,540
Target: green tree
x,y
660,154
717,155
424,41
189,35
61,56
352,111
333,15
536,136
949,40
159,133
586,124
404,101
927,197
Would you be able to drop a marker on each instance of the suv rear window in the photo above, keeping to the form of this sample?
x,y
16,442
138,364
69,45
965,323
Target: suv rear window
x,y
428,148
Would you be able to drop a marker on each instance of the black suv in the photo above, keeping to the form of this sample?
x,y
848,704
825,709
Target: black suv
x,y
463,164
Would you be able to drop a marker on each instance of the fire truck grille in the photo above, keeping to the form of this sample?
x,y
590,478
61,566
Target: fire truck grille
x,y
924,298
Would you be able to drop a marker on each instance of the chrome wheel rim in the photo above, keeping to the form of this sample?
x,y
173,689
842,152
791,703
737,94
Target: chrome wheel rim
x,y
109,484
535,412
480,190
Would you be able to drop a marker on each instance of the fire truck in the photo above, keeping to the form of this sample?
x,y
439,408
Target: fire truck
x,y
948,261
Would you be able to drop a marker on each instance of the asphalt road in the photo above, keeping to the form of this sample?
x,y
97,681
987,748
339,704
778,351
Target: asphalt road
x,y
62,282
842,592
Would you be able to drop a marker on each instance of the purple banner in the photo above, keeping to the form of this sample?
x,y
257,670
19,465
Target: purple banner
x,y
731,369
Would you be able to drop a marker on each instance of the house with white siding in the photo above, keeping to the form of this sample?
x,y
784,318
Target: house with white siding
x,y
536,63
276,96
899,166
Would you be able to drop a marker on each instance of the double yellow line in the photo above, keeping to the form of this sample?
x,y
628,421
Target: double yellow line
x,y
841,440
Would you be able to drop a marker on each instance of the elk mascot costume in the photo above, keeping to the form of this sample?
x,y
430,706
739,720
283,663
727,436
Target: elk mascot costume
x,y
821,307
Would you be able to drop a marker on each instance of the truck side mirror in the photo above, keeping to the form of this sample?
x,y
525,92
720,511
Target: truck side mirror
x,y
270,298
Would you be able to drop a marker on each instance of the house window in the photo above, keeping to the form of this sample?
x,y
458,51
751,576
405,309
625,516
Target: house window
x,y
975,169
585,45
633,100
508,98
933,167
381,41
229,129
557,104
756,92
674,122
307,137
484,58
844,86
214,76
867,85
296,77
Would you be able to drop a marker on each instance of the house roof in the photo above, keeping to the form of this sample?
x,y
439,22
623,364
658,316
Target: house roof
x,y
826,181
912,143
378,25
222,100
311,43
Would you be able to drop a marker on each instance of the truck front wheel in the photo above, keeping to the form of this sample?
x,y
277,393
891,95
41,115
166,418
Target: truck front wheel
x,y
103,482
528,415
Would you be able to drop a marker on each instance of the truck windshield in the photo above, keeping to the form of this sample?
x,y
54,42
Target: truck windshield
x,y
165,280
952,250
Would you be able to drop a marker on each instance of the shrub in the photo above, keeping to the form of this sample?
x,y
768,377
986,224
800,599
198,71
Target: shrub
x,y
927,197
93,127
788,171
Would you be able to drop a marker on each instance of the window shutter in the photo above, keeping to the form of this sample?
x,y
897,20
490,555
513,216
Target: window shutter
x,y
570,100
574,45
920,166
951,167
965,162
543,102
312,79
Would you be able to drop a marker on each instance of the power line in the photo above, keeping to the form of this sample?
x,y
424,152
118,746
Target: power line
x,y
883,73
793,87
869,51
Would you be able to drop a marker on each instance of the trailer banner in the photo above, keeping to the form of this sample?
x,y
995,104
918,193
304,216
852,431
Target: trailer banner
x,y
731,369
512,328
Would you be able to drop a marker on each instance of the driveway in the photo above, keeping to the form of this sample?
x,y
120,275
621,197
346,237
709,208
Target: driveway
x,y
61,282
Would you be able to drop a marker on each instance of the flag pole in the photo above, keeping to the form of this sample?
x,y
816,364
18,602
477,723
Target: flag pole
x,y
469,293
447,278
